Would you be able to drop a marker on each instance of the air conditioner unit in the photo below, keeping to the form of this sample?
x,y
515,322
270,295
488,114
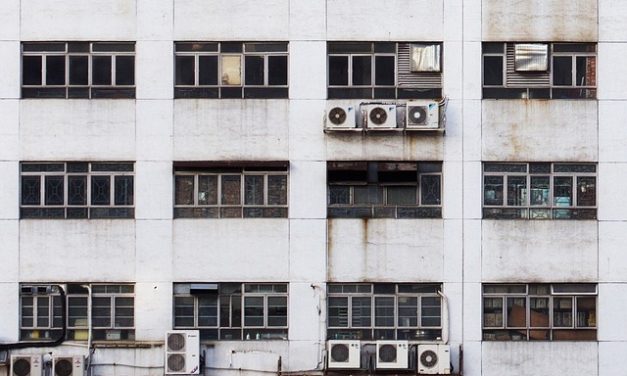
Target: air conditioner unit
x,y
434,359
343,353
392,354
380,116
340,118
422,115
182,352
68,365
26,365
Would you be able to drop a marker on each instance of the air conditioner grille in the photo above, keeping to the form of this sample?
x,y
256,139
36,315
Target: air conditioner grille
x,y
418,114
387,353
340,353
378,115
337,115
176,362
21,367
63,367
176,342
429,358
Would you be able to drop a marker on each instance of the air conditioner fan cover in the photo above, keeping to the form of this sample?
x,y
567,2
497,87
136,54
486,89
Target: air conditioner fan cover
x,y
387,353
337,115
63,367
429,358
21,367
176,362
418,115
378,115
176,342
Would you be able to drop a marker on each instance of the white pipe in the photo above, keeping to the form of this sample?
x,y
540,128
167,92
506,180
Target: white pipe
x,y
445,319
88,357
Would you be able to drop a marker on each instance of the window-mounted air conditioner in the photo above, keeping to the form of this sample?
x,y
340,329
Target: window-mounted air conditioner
x,y
422,115
434,359
26,365
379,116
68,365
392,354
182,352
340,117
343,354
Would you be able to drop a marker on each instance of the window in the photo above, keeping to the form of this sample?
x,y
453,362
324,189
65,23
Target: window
x,y
112,312
232,311
384,189
384,70
544,312
539,190
231,70
78,70
220,191
384,311
539,70
77,190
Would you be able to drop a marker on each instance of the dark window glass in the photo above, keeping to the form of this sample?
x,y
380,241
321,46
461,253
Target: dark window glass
x,y
44,47
253,70
362,70
265,47
185,70
101,70
123,190
277,311
562,191
184,190
54,190
207,190
384,311
493,48
184,311
124,309
231,47
31,70
231,190
77,190
101,312
430,189
100,190
361,312
277,190
197,47
586,191
493,70
125,70
338,70
55,70
562,70
253,311
350,47
253,190
208,310
208,70
277,70
78,47
493,190
113,47
516,190
79,70
31,190
384,70
586,71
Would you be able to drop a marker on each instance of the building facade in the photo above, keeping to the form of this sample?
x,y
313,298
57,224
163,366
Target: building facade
x,y
171,164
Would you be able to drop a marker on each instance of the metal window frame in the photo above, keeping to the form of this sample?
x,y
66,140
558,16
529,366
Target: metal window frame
x,y
373,69
112,296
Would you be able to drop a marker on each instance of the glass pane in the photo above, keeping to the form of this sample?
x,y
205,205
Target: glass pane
x,y
231,190
383,311
586,312
79,70
401,195
368,195
492,190
31,70
516,312
184,311
31,190
563,312
77,190
27,312
101,312
54,191
361,312
384,70
253,189
562,191
339,195
562,70
207,70
586,71
586,191
539,312
123,190
208,310
124,312
516,190
101,70
493,70
362,70
43,312
185,70
338,70
277,190
492,312
55,70
77,311
207,190
125,70
430,190
184,190
407,311
539,192
100,190
253,311
338,312
277,311
231,70
254,68
277,70
431,311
